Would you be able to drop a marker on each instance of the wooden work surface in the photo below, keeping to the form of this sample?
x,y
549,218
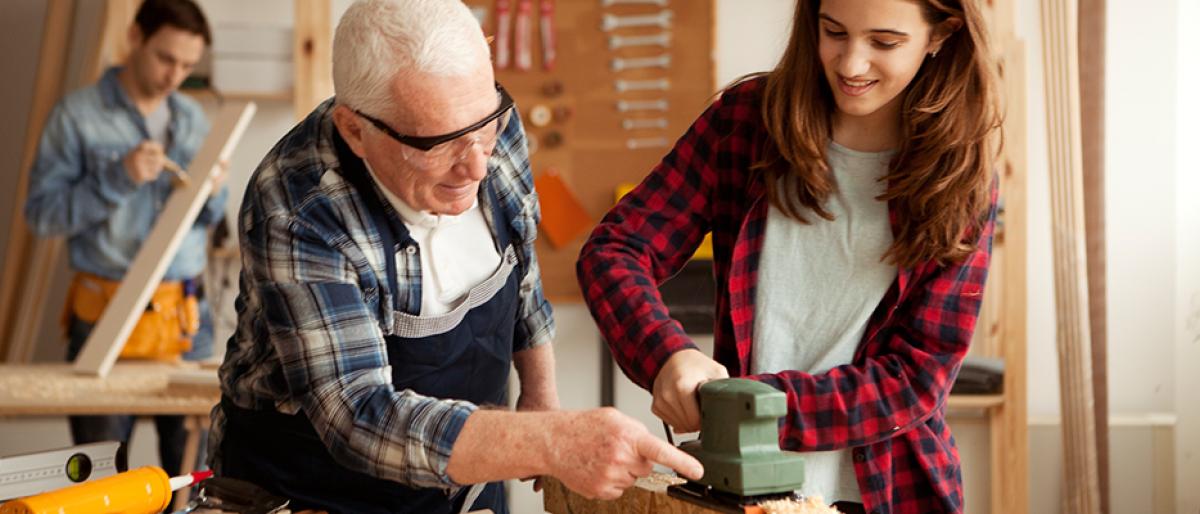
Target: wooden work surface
x,y
649,496
131,388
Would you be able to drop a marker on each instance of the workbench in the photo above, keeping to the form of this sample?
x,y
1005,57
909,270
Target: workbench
x,y
132,388
137,388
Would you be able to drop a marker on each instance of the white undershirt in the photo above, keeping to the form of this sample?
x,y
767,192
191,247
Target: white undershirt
x,y
457,251
817,287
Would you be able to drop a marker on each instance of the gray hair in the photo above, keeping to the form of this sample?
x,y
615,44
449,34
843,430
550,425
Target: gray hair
x,y
378,39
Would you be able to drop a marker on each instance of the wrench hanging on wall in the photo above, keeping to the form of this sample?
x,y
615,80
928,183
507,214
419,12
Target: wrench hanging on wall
x,y
662,19
609,3
662,39
658,61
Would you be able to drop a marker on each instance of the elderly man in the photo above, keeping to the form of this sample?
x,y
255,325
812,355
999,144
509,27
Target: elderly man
x,y
390,282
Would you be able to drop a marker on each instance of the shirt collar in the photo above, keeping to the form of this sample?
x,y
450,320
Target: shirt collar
x,y
114,94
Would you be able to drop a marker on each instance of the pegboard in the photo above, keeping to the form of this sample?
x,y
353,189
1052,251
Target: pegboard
x,y
593,157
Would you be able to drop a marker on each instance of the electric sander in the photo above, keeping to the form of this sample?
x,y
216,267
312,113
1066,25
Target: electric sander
x,y
739,448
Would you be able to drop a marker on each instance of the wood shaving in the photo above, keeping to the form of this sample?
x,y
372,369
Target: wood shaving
x,y
809,505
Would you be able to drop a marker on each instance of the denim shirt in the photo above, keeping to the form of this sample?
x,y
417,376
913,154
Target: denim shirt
x,y
79,188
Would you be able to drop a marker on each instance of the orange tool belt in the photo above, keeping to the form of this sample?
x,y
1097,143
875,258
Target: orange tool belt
x,y
165,330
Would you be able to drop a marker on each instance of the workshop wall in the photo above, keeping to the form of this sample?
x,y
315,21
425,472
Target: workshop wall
x,y
1154,289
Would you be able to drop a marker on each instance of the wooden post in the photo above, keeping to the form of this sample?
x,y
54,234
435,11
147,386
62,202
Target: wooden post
x,y
1060,31
1092,23
312,56
1009,422
47,90
115,324
46,254
113,44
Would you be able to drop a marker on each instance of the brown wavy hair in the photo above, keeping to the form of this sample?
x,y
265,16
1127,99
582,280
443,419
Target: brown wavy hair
x,y
940,178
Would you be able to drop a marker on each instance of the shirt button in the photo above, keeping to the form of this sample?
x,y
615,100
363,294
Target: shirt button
x,y
859,457
410,250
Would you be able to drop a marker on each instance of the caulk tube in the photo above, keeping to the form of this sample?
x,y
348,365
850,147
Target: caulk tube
x,y
145,490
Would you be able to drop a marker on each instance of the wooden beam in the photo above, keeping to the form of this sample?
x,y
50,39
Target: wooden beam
x,y
113,328
1092,29
113,44
1061,60
312,56
47,90
649,496
1009,422
110,44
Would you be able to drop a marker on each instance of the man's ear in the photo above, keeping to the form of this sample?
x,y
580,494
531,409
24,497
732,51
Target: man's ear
x,y
351,128
135,36
942,31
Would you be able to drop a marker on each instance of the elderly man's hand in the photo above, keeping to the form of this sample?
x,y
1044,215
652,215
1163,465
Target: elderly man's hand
x,y
601,452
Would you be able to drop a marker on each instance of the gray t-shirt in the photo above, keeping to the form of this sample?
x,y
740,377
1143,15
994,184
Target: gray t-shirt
x,y
817,287
157,123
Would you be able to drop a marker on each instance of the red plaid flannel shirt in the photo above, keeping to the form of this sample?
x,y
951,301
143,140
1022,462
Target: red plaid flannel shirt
x,y
888,405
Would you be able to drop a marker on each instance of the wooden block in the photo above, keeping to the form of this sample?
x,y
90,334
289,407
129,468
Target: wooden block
x,y
649,496
113,328
312,55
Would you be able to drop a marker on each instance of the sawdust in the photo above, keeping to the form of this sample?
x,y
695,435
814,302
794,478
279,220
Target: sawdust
x,y
810,505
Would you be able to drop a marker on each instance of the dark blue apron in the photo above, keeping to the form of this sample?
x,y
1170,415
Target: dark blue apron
x,y
434,356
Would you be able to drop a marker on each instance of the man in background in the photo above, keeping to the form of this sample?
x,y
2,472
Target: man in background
x,y
98,179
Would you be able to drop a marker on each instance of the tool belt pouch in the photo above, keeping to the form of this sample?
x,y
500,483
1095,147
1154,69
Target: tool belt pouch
x,y
164,330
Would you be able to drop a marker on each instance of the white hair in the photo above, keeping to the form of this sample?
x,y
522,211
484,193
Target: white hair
x,y
378,39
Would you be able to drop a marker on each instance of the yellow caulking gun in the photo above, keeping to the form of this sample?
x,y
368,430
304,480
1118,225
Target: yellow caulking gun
x,y
145,490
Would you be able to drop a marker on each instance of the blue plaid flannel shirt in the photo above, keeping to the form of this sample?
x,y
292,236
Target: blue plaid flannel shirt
x,y
314,307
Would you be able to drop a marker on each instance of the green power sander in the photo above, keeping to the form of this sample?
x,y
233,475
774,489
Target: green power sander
x,y
739,447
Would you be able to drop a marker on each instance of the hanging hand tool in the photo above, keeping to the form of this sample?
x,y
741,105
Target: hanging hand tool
x,y
549,37
611,22
524,34
661,39
503,33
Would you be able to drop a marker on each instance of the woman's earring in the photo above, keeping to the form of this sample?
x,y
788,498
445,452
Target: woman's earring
x,y
933,54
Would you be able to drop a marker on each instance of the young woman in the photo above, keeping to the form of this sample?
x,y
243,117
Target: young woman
x,y
851,198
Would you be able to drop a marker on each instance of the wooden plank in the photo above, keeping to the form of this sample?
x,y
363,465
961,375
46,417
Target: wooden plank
x,y
1060,36
974,401
113,44
1092,29
1163,448
1009,430
47,90
140,388
104,345
647,496
46,259
313,56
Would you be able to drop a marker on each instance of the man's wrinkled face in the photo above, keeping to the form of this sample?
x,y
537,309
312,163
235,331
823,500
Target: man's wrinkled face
x,y
445,179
